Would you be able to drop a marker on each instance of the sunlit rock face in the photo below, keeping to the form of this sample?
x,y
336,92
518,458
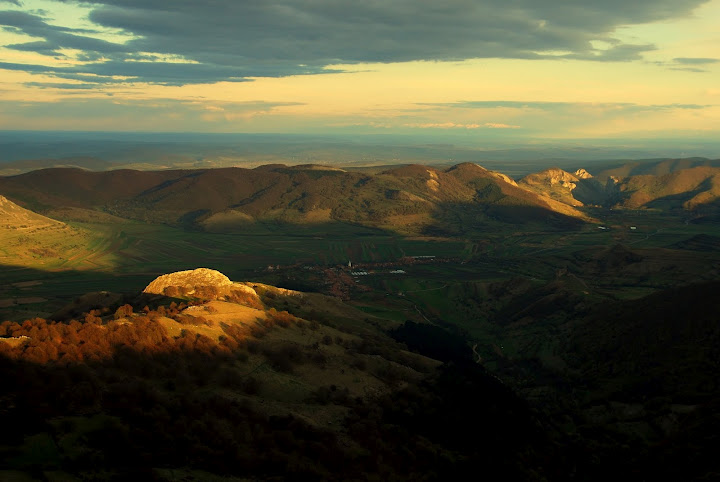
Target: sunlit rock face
x,y
582,174
189,280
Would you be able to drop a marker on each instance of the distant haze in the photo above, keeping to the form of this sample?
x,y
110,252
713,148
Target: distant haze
x,y
21,151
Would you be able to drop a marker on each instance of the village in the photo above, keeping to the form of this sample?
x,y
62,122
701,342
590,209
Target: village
x,y
341,279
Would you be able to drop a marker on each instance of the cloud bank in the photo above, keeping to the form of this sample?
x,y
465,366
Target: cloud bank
x,y
185,41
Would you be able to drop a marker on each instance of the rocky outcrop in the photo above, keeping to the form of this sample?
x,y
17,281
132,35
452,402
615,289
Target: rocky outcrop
x,y
582,174
554,183
578,189
189,280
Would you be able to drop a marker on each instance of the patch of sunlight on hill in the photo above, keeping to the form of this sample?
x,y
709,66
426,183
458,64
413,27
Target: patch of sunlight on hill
x,y
53,248
30,240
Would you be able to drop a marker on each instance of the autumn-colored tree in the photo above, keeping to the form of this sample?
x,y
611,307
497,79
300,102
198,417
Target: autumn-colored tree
x,y
282,318
4,328
90,318
123,312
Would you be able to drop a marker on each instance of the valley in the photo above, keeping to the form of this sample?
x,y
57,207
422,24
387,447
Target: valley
x,y
572,306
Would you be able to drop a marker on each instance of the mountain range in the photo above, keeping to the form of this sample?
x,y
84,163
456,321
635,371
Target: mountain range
x,y
409,199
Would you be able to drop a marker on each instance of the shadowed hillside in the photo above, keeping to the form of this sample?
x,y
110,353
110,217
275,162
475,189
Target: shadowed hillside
x,y
60,187
223,383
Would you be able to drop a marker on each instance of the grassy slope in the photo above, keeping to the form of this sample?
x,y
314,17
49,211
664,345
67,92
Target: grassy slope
x,y
30,240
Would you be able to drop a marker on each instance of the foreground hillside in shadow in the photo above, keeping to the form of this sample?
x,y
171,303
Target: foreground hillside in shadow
x,y
195,380
231,386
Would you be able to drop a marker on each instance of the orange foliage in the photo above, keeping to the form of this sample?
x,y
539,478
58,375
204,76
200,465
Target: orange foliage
x,y
246,299
282,318
48,341
123,312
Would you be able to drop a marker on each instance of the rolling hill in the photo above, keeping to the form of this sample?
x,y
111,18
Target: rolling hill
x,y
688,189
409,199
653,167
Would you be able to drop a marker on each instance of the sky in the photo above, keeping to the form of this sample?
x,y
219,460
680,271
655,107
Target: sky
x,y
492,69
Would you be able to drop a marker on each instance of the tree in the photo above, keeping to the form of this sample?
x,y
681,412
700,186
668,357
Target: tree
x,y
123,312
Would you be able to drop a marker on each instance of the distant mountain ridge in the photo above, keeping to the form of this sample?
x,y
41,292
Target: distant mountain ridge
x,y
412,199
408,198
667,185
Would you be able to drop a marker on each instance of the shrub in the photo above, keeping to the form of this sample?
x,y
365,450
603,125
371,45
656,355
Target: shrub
x,y
285,357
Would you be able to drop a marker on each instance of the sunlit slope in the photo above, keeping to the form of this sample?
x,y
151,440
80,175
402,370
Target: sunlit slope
x,y
574,189
498,190
668,185
28,239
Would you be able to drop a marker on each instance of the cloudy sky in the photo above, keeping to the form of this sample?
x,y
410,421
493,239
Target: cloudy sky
x,y
498,69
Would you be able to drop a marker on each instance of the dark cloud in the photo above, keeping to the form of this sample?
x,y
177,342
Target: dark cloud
x,y
34,69
235,39
690,64
695,60
57,85
55,37
689,69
